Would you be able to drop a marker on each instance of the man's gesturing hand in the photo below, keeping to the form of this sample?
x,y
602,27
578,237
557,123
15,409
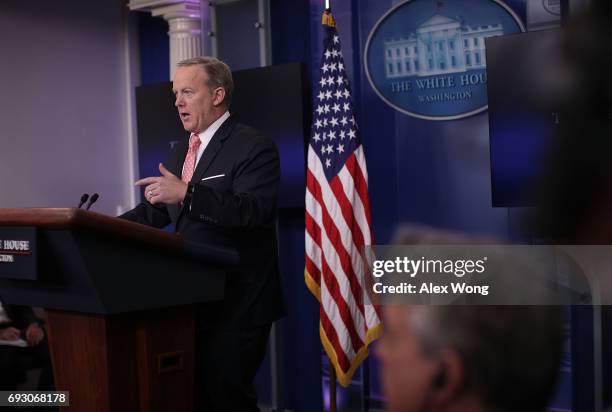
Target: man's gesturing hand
x,y
9,334
166,188
34,334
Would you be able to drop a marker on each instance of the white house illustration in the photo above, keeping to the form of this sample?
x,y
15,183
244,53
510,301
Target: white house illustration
x,y
440,45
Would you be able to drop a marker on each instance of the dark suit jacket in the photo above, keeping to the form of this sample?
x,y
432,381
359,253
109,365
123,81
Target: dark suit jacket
x,y
237,210
21,316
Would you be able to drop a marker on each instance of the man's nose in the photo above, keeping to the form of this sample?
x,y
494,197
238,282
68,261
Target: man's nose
x,y
179,102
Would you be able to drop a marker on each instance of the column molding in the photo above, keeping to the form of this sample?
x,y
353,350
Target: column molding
x,y
184,26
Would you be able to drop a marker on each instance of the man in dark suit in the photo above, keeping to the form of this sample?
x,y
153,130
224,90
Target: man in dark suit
x,y
220,187
20,322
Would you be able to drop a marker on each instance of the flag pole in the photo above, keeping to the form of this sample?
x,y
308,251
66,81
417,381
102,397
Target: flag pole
x,y
333,379
333,407
328,20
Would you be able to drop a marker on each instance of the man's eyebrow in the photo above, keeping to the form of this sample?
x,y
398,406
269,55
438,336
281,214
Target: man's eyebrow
x,y
182,90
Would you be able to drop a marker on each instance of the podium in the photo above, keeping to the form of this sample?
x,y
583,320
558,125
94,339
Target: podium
x,y
120,299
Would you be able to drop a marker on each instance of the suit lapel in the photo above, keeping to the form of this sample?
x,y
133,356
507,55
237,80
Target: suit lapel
x,y
212,149
177,169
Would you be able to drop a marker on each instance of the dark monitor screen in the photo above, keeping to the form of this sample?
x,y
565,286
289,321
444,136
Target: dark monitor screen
x,y
522,124
274,100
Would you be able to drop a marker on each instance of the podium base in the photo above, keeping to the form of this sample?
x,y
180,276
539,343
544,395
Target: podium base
x,y
139,361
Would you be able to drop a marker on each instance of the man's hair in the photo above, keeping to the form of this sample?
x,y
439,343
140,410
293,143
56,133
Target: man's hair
x,y
511,354
219,74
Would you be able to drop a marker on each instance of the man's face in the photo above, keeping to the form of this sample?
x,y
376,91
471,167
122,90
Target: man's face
x,y
195,100
406,375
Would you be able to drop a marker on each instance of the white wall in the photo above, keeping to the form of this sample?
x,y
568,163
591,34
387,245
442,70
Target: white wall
x,y
66,103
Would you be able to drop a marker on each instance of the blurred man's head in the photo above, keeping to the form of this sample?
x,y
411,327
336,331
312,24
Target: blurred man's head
x,y
468,358
203,88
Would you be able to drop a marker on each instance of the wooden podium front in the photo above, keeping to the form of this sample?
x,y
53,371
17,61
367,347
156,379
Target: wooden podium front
x,y
144,361
120,300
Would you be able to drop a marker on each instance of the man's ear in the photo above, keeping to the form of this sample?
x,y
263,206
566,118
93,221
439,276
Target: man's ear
x,y
218,96
449,381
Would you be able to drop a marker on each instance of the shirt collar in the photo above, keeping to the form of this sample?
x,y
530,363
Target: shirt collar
x,y
212,129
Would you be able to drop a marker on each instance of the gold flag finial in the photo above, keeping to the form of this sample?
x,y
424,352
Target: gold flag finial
x,y
328,19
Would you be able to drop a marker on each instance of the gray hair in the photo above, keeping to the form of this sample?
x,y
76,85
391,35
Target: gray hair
x,y
219,74
511,354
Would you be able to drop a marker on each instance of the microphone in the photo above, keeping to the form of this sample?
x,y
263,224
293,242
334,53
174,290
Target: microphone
x,y
92,200
83,200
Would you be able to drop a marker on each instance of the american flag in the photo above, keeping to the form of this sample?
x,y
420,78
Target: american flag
x,y
338,223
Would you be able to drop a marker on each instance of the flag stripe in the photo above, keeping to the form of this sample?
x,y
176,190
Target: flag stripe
x,y
337,311
336,201
339,290
331,307
361,186
313,270
337,186
330,332
359,211
345,243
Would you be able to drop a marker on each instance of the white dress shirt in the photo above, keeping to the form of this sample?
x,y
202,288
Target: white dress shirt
x,y
3,315
207,134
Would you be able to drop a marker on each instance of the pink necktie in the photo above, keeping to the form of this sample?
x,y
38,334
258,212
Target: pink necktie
x,y
190,159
